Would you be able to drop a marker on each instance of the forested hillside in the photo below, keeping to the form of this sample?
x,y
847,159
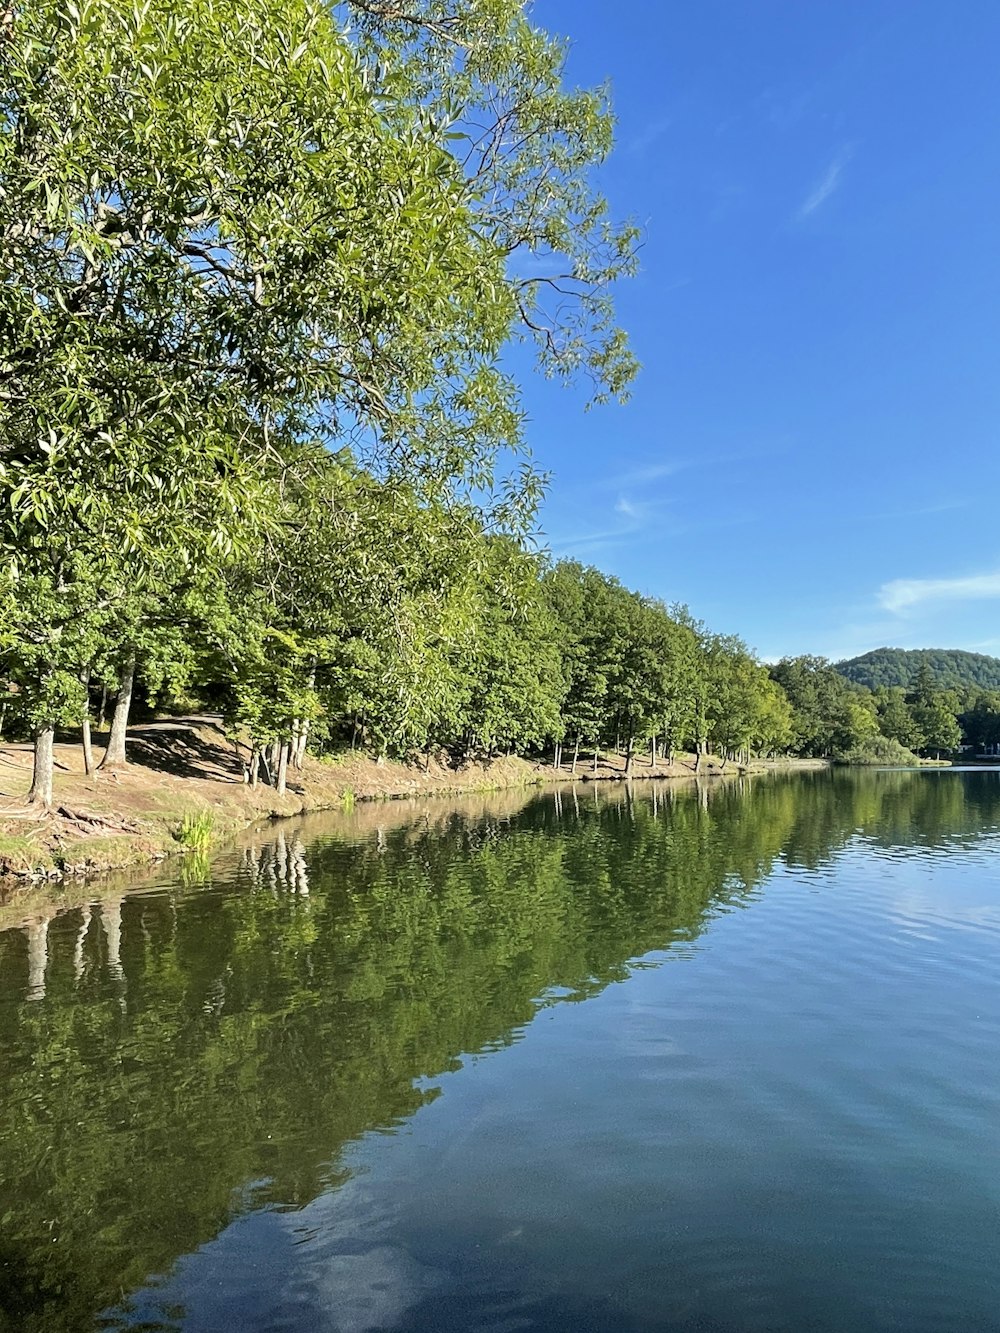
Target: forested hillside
x,y
950,668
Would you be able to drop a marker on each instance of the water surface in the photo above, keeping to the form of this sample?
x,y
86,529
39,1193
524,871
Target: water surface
x,y
719,1058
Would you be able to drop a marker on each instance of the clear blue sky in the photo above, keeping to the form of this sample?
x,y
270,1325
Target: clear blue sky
x,y
810,456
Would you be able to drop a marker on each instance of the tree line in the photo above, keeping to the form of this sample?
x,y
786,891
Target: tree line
x,y
259,451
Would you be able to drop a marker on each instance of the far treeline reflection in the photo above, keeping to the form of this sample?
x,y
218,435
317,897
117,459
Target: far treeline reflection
x,y
171,1059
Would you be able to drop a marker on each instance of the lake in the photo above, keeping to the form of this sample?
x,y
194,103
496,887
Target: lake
x,y
716,1057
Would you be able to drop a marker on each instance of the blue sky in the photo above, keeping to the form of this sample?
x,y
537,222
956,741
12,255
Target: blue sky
x,y
810,456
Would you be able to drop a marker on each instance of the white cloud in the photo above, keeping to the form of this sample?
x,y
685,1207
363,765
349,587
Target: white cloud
x,y
901,594
827,183
630,509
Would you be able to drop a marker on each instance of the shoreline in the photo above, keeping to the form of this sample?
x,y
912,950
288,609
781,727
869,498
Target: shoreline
x,y
186,768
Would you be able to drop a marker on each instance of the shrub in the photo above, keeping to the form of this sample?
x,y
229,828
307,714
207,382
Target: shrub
x,y
878,750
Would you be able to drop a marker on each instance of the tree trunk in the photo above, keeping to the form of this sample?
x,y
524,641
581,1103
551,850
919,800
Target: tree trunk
x,y
697,757
629,756
298,759
299,749
557,757
104,704
274,759
283,750
597,755
88,749
576,752
254,770
114,755
41,773
652,752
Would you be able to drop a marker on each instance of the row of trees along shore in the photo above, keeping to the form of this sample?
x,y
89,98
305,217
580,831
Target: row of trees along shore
x,y
259,450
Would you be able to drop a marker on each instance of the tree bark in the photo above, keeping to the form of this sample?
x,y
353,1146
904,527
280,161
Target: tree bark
x,y
104,705
254,768
652,752
597,755
576,753
41,773
629,756
114,755
283,768
88,749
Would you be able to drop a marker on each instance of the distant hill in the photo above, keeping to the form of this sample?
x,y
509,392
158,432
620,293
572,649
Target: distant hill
x,y
951,668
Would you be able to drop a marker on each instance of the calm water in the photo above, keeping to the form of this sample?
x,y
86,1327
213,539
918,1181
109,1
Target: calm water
x,y
700,1060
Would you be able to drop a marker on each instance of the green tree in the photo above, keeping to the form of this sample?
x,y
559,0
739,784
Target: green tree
x,y
895,718
223,231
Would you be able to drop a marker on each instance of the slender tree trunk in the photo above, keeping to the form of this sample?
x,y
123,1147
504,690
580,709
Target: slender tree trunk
x,y
299,749
114,755
283,750
104,705
597,755
697,757
254,769
274,759
41,773
629,756
3,714
576,752
88,749
652,752
557,757
299,757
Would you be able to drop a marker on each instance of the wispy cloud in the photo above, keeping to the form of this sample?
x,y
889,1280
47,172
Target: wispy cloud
x,y
900,595
587,543
645,473
640,475
645,139
828,182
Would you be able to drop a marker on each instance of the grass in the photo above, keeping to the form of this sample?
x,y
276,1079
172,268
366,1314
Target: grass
x,y
195,830
19,854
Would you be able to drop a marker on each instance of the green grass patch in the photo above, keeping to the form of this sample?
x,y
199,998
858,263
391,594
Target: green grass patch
x,y
195,830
